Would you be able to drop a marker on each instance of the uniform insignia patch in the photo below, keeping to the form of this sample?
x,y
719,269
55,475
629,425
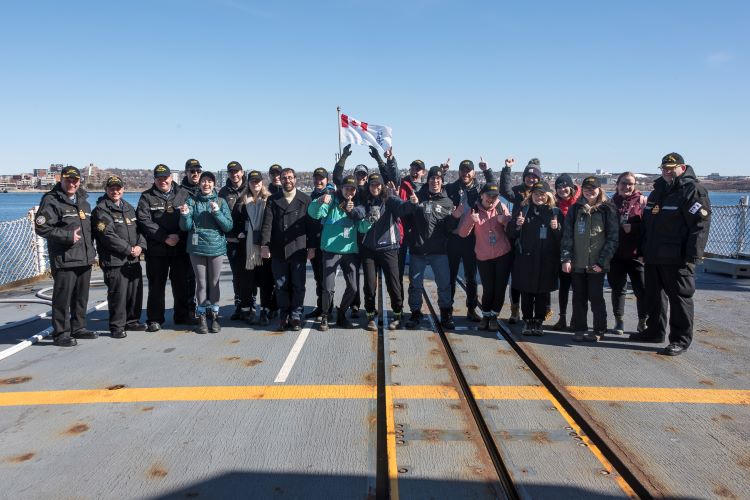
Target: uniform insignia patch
x,y
40,220
704,212
81,214
655,210
101,227
696,206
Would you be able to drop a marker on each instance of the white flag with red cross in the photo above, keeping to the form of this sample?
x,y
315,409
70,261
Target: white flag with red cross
x,y
353,131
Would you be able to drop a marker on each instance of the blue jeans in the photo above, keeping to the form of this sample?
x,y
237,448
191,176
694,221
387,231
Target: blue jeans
x,y
441,271
290,285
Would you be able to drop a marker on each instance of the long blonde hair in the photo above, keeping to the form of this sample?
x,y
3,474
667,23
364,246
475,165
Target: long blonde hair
x,y
247,195
549,201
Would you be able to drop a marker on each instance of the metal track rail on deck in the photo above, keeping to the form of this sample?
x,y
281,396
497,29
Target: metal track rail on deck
x,y
501,469
622,464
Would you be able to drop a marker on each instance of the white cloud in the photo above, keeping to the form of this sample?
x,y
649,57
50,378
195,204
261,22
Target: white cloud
x,y
719,58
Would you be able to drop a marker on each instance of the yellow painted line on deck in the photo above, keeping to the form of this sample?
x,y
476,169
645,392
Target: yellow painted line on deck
x,y
390,428
661,395
302,392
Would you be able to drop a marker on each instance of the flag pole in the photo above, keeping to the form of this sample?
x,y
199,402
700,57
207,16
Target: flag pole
x,y
338,128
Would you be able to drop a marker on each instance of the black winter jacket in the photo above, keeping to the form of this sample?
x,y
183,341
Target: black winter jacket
x,y
536,261
192,189
57,219
231,194
430,222
455,190
515,194
384,233
676,221
158,216
287,227
116,232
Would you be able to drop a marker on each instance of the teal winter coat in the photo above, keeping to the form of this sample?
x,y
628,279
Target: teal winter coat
x,y
339,233
206,229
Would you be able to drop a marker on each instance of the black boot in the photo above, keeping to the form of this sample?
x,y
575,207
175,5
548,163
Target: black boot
x,y
342,320
202,325
323,323
446,319
214,326
395,322
414,320
371,326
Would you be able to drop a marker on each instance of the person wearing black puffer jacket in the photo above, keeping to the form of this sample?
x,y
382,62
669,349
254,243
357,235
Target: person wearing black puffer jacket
x,y
431,217
120,246
516,195
230,193
676,221
465,191
64,220
379,216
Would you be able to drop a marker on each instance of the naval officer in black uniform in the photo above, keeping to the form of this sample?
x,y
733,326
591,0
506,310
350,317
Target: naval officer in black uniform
x,y
64,219
676,220
158,217
120,245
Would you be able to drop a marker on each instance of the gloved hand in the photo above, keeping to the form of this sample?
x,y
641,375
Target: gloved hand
x,y
375,154
347,152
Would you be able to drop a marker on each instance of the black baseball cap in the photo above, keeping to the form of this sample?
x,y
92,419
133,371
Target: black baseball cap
x,y
542,186
591,181
254,175
233,165
491,189
114,180
192,163
375,178
418,163
672,160
274,168
70,172
320,172
466,165
162,170
350,181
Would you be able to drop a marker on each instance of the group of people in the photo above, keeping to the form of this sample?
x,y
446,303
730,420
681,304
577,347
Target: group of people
x,y
550,238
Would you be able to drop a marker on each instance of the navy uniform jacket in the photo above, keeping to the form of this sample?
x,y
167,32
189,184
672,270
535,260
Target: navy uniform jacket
x,y
158,216
676,220
116,232
57,219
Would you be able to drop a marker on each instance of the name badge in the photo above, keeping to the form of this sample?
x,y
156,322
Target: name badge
x,y
195,239
543,233
493,239
428,208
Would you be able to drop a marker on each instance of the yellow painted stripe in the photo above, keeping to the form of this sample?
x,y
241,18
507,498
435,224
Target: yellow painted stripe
x,y
624,486
661,395
524,392
390,426
424,392
237,393
211,393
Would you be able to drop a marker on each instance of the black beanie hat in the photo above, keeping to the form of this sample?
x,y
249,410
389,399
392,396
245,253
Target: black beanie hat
x,y
434,171
564,180
533,168
208,174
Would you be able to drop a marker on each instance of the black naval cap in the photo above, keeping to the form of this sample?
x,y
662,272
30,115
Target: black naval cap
x,y
114,180
490,188
274,169
233,166
192,163
672,160
591,181
418,163
466,166
349,181
320,172
70,172
162,170
254,175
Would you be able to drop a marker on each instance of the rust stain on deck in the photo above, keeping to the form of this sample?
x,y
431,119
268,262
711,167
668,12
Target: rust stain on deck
x,y
252,362
14,380
157,471
77,429
20,458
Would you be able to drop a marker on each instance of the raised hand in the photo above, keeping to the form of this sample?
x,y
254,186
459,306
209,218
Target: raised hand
x,y
475,216
520,220
458,211
390,188
388,154
509,162
482,164
375,153
445,166
347,152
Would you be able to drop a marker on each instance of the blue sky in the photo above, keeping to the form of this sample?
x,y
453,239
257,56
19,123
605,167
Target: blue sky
x,y
611,85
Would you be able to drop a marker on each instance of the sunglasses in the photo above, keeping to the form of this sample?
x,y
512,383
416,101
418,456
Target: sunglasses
x,y
195,171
